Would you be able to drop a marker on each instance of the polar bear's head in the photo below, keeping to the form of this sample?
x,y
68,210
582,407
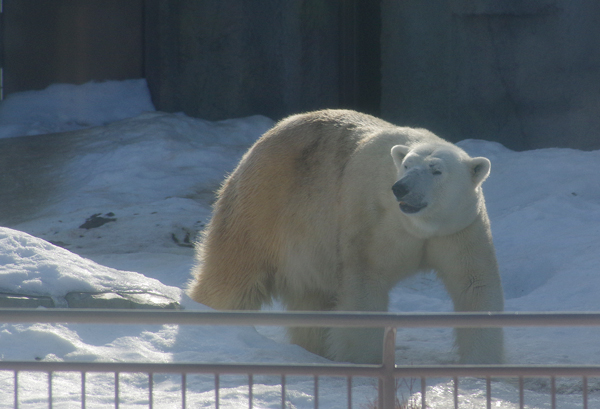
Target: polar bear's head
x,y
438,187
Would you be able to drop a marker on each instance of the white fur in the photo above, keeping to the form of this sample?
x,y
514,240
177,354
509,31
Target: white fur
x,y
309,217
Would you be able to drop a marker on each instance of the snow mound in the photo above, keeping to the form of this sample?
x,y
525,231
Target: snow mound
x,y
67,107
29,265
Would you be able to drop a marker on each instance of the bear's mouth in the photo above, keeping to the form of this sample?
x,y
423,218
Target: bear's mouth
x,y
410,209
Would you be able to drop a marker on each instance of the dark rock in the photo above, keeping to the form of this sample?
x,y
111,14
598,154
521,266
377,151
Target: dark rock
x,y
96,220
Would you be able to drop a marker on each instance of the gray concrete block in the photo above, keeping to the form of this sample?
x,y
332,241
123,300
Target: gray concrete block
x,y
522,73
217,59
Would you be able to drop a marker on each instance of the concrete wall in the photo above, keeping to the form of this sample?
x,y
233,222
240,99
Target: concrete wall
x,y
215,59
523,73
70,41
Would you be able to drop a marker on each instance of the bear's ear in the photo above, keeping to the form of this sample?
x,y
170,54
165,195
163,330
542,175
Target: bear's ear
x,y
398,154
480,169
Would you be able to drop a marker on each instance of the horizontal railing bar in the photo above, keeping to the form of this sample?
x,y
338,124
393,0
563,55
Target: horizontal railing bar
x,y
313,319
342,370
500,371
197,368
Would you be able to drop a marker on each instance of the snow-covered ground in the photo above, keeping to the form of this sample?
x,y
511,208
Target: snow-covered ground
x,y
154,173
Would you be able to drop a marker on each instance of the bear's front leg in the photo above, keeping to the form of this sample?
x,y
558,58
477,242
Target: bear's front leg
x,y
359,345
466,262
356,345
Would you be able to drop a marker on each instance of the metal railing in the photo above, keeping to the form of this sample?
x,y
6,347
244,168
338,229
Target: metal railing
x,y
387,373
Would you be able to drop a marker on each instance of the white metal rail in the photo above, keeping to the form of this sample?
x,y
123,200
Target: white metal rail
x,y
387,373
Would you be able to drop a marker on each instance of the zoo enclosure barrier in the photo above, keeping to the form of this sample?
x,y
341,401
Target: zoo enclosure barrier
x,y
387,372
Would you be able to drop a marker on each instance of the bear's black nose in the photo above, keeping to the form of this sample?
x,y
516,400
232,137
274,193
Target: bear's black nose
x,y
400,190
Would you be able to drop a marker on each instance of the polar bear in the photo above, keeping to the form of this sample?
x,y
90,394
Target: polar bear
x,y
328,210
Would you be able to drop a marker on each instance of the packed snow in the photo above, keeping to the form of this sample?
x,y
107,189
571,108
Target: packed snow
x,y
152,176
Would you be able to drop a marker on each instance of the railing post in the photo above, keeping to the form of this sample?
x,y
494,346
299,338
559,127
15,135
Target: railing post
x,y
387,382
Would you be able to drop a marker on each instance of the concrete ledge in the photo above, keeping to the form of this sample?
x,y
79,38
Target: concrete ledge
x,y
92,300
25,301
120,300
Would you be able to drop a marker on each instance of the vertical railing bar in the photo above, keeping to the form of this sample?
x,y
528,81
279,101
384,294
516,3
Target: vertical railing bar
x,y
585,392
50,390
488,392
250,383
116,390
217,382
183,390
455,381
423,392
316,394
553,391
82,390
380,400
16,405
349,386
283,398
389,364
150,390
521,393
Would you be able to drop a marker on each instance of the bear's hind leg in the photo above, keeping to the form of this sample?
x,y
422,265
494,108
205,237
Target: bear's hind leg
x,y
229,280
221,294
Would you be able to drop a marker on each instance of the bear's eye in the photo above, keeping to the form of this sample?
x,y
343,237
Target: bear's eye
x,y
435,171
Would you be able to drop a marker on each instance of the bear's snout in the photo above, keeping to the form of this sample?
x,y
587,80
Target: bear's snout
x,y
400,190
409,201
